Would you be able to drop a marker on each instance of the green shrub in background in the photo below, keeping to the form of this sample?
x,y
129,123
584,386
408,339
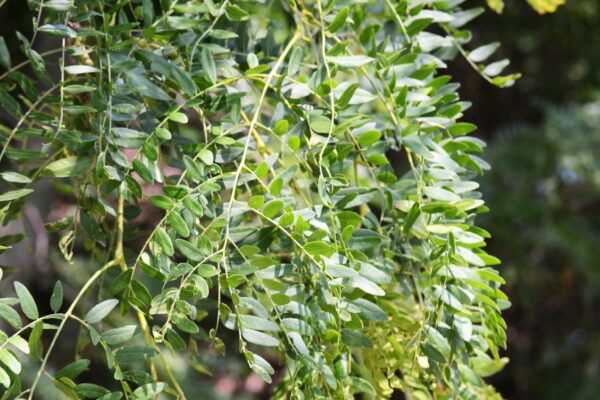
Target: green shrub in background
x,y
261,133
551,174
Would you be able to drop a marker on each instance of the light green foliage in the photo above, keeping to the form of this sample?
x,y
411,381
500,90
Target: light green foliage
x,y
270,129
541,6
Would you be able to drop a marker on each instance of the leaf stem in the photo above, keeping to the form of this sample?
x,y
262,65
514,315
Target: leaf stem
x,y
66,317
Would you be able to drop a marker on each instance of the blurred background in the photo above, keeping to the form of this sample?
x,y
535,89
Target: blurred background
x,y
543,139
543,190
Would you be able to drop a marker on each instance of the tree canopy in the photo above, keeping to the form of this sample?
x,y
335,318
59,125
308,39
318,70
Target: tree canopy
x,y
293,172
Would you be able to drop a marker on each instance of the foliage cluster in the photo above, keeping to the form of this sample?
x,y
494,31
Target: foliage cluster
x,y
316,190
541,6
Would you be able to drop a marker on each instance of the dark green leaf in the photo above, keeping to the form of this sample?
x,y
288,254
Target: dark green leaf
x,y
73,370
36,346
56,299
355,338
208,65
4,54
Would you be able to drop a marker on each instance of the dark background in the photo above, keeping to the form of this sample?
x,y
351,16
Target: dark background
x,y
543,139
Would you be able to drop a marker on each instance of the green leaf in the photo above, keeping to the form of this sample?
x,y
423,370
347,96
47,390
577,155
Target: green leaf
x,y
437,193
347,95
251,322
235,13
77,89
496,5
148,12
57,226
189,250
275,186
9,104
121,282
15,194
142,171
294,143
261,367
4,54
185,324
178,117
68,167
281,127
223,34
259,338
317,248
367,286
482,53
4,378
461,128
27,302
545,6
56,299
369,310
72,370
295,60
80,69
496,68
183,80
162,133
360,385
58,30
339,20
120,335
150,150
368,138
19,343
297,325
7,358
163,239
15,177
162,201
208,65
178,224
59,5
35,344
437,340
206,156
321,124
256,202
272,208
8,314
149,390
262,170
350,61
38,64
129,138
100,311
90,390
134,354
355,338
